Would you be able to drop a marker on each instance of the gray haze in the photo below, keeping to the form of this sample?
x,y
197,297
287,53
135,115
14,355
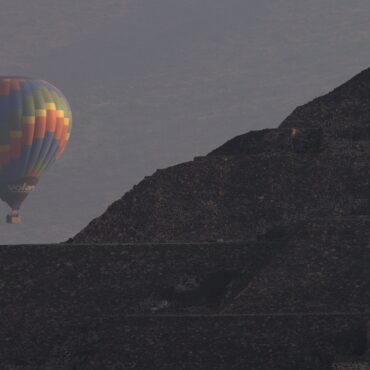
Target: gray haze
x,y
156,82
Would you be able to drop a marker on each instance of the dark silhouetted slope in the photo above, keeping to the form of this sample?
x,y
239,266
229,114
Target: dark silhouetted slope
x,y
170,306
347,105
254,182
234,198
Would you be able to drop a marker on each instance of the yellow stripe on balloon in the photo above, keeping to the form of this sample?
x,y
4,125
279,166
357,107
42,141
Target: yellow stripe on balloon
x,y
15,134
50,106
60,113
28,120
66,121
40,112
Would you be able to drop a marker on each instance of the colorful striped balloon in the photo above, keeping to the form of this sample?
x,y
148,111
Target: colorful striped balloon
x,y
35,126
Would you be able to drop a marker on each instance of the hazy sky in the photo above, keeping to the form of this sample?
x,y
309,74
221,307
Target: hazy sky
x,y
154,83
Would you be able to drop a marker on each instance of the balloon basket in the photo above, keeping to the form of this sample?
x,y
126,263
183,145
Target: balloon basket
x,y
13,220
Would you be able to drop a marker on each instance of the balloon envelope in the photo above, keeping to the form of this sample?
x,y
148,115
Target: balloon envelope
x,y
35,126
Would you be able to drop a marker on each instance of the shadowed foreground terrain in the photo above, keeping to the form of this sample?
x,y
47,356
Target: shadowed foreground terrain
x,y
173,307
253,257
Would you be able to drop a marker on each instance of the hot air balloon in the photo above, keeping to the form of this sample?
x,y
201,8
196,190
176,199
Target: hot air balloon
x,y
35,126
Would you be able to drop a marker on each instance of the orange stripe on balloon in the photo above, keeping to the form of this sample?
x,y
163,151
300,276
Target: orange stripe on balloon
x,y
4,87
59,129
28,131
63,142
64,135
40,127
51,116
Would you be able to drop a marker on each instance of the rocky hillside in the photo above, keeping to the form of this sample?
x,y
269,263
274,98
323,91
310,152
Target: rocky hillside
x,y
234,198
347,105
257,182
268,254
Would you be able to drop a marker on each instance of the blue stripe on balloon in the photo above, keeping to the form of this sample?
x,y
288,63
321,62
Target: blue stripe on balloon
x,y
25,88
36,148
25,156
10,172
35,84
15,100
14,170
47,142
4,109
53,148
51,154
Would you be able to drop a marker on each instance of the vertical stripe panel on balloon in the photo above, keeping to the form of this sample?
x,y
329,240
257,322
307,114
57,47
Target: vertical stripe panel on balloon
x,y
25,155
15,106
50,127
40,128
4,87
15,123
4,122
48,139
60,125
37,144
56,140
28,126
62,131
51,155
64,138
27,139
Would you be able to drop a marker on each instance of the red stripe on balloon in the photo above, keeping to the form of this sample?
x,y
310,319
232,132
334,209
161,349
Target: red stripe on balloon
x,y
51,116
63,136
4,87
62,145
40,127
59,128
